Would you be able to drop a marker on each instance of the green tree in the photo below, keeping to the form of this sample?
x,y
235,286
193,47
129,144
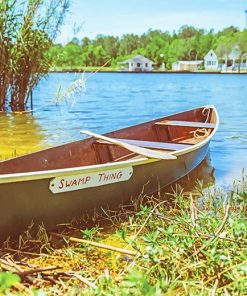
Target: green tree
x,y
177,50
189,31
188,43
229,31
129,43
72,55
242,45
55,54
205,43
157,49
224,47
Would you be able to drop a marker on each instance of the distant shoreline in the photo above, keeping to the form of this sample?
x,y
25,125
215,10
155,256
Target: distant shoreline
x,y
146,72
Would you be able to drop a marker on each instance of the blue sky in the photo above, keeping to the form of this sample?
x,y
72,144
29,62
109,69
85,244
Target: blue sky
x,y
109,17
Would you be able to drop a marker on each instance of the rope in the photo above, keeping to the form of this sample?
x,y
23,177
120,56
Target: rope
x,y
200,133
206,112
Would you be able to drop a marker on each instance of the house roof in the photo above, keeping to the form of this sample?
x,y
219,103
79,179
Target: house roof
x,y
137,59
211,54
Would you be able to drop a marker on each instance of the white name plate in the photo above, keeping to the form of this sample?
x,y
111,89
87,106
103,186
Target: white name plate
x,y
78,182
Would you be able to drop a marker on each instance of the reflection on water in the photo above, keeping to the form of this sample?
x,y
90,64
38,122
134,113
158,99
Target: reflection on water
x,y
19,134
204,173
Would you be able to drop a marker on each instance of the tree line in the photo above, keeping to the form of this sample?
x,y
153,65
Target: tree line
x,y
188,43
27,49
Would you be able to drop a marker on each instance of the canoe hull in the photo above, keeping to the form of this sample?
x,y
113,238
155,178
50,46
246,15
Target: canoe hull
x,y
33,200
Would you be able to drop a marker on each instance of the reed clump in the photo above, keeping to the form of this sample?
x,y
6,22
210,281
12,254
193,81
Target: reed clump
x,y
177,244
27,29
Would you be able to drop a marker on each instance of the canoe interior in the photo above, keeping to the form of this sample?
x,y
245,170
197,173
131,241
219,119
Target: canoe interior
x,y
91,151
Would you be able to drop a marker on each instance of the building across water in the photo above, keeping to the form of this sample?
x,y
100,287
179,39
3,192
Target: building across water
x,y
191,66
137,64
235,61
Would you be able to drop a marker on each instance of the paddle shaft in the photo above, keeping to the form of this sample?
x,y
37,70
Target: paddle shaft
x,y
139,150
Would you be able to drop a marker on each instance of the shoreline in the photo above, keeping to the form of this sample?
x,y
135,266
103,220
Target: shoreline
x,y
146,72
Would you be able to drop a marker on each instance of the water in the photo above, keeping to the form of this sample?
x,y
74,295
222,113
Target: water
x,y
115,100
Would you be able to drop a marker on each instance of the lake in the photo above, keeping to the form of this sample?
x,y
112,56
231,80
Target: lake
x,y
116,100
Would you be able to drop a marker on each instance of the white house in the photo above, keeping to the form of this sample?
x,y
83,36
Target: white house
x,y
186,66
139,64
235,61
211,61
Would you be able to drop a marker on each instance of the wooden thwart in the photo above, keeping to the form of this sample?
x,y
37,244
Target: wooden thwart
x,y
139,150
186,123
150,144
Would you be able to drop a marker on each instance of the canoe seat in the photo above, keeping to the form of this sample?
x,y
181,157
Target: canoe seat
x,y
148,144
186,123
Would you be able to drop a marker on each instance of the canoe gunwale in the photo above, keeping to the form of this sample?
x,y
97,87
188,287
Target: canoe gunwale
x,y
47,174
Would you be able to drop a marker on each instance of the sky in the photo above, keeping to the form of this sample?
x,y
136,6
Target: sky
x,y
109,17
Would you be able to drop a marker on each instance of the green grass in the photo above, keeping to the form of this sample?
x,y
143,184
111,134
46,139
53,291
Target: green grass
x,y
184,244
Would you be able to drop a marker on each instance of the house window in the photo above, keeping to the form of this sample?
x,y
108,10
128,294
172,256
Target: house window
x,y
132,64
138,65
146,65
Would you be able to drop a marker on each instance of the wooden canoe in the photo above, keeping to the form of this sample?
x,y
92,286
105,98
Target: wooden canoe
x,y
57,184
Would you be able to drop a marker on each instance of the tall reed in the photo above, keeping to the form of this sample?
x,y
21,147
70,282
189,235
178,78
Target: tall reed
x,y
27,29
7,30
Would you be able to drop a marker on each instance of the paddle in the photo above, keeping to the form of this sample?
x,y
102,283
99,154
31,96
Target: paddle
x,y
139,150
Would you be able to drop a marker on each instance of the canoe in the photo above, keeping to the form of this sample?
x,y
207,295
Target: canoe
x,y
60,183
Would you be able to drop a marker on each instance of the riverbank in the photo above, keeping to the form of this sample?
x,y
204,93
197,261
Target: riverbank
x,y
176,243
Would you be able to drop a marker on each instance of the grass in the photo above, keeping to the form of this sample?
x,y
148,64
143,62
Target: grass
x,y
179,244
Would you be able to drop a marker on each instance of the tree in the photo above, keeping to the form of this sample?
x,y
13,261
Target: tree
x,y
177,50
224,47
229,31
188,44
157,49
128,43
188,32
242,46
72,55
205,43
55,54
